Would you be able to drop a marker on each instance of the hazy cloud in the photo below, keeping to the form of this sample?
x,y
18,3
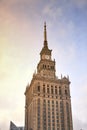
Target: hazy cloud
x,y
80,3
20,21
52,12
78,124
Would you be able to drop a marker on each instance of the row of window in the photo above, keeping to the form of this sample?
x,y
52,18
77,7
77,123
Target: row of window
x,y
68,117
53,119
52,91
52,86
53,96
48,67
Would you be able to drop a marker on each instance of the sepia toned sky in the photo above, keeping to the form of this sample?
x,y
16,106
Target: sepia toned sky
x,y
21,40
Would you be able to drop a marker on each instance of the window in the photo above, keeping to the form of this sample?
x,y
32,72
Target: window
x,y
57,113
56,102
43,84
48,113
38,113
47,85
52,116
38,118
52,67
55,91
52,113
52,102
52,90
66,92
57,121
51,86
57,117
57,125
44,101
48,120
38,100
48,127
48,101
52,109
43,65
59,91
48,108
47,90
53,124
63,129
48,66
68,118
38,88
48,116
56,106
48,105
52,120
55,86
44,89
52,105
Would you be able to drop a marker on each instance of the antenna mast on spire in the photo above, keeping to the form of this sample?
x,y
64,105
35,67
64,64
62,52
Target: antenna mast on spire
x,y
45,35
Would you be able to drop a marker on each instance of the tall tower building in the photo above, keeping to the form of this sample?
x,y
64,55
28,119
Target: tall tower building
x,y
48,101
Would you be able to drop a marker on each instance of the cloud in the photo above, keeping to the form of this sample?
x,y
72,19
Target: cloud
x,y
19,35
10,2
16,45
16,115
4,123
78,124
79,103
64,35
52,12
80,3
21,8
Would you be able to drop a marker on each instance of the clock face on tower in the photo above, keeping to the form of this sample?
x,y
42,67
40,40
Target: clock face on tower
x,y
47,57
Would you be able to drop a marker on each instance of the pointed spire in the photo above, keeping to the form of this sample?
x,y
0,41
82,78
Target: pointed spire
x,y
45,35
45,50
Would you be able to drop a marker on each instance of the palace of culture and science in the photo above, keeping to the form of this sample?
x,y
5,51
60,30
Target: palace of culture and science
x,y
48,100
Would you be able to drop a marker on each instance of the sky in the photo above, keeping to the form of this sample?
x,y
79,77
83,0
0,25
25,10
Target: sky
x,y
21,40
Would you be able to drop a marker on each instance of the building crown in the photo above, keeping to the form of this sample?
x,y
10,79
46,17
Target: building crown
x,y
45,49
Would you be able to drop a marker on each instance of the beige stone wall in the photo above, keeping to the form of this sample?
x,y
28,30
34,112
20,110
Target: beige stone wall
x,y
33,94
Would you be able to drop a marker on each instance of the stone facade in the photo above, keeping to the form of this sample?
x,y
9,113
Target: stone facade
x,y
48,101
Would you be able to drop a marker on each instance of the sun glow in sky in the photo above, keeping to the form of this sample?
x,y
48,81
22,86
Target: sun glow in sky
x,y
21,40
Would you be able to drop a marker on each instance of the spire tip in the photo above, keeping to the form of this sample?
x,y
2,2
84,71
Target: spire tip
x,y
45,33
45,23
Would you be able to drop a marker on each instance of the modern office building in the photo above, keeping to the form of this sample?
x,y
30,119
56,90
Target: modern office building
x,y
48,100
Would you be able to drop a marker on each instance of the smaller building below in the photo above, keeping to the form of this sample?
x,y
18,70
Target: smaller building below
x,y
14,127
